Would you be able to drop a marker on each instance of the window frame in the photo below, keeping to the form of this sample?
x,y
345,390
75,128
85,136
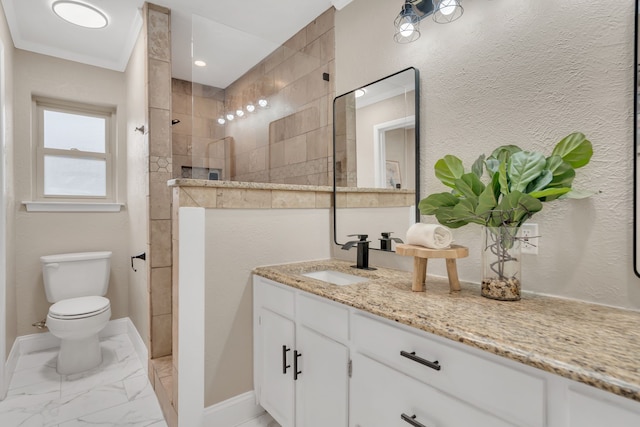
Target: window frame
x,y
40,105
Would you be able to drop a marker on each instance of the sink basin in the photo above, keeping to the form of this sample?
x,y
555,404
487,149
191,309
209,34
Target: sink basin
x,y
336,277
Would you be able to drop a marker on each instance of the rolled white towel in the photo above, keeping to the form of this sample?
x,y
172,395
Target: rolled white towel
x,y
432,236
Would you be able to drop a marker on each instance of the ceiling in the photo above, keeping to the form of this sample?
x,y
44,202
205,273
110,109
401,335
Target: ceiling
x,y
230,35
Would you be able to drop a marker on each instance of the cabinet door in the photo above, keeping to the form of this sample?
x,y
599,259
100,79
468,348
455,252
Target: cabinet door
x,y
587,411
322,387
277,386
381,396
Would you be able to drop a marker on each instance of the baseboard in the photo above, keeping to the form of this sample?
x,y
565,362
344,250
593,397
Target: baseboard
x,y
232,412
45,340
138,344
9,369
37,342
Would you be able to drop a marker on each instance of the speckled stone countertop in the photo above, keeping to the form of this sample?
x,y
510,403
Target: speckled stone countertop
x,y
589,343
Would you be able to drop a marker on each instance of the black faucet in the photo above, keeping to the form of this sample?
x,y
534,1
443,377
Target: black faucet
x,y
363,250
385,241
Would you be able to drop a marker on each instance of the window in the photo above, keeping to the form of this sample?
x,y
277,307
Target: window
x,y
75,151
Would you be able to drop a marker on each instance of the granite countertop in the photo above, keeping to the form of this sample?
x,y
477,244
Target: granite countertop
x,y
589,343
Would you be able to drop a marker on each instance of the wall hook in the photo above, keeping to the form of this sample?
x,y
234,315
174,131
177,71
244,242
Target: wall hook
x,y
140,129
142,256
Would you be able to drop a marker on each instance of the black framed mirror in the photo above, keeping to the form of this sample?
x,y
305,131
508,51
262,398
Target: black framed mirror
x,y
636,150
376,155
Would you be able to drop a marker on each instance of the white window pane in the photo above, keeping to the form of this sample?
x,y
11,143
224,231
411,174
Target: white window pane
x,y
68,131
68,176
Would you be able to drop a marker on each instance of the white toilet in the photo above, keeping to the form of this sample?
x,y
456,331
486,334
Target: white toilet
x,y
76,284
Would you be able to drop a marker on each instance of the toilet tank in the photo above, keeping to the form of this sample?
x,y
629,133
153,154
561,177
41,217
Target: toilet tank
x,y
76,275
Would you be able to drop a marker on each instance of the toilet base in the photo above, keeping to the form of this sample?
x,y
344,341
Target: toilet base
x,y
76,356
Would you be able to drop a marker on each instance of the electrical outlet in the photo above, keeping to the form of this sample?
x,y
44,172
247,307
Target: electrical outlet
x,y
529,239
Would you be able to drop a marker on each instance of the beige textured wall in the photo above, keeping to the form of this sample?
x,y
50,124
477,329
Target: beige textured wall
x,y
9,198
528,73
137,186
39,234
238,240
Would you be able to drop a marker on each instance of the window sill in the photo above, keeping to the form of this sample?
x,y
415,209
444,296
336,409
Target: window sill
x,y
72,207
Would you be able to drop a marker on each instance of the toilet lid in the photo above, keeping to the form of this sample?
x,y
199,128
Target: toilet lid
x,y
73,308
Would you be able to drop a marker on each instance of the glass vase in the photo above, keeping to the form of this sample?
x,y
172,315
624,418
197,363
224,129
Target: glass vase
x,y
501,263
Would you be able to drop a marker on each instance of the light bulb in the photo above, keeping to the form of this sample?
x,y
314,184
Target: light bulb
x,y
407,29
229,116
221,120
239,113
263,103
199,63
251,108
447,7
361,92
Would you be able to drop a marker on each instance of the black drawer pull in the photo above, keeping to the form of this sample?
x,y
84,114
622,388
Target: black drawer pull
x,y
412,420
433,365
295,364
284,359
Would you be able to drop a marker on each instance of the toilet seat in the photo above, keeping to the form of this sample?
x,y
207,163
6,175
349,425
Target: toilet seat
x,y
78,308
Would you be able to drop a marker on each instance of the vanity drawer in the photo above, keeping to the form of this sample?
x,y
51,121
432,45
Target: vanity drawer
x,y
276,298
384,397
501,390
328,318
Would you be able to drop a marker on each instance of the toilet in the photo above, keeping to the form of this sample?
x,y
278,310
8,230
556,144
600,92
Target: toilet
x,y
76,283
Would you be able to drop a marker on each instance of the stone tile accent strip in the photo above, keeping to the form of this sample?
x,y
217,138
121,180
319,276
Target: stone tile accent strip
x,y
256,195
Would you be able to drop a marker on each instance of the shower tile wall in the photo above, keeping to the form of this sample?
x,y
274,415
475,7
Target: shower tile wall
x,y
158,24
290,142
198,140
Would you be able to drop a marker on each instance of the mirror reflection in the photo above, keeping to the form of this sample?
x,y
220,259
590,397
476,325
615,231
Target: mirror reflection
x,y
376,148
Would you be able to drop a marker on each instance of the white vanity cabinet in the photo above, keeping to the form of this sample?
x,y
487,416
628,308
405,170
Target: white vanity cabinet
x,y
301,361
384,397
400,376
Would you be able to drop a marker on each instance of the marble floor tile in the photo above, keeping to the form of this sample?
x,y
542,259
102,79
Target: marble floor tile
x,y
137,413
117,393
264,420
36,359
35,375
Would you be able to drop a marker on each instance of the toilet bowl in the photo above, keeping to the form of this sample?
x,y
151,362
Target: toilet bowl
x,y
76,283
77,322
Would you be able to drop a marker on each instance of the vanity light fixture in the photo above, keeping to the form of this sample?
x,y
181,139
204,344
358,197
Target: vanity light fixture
x,y
239,113
199,63
251,108
407,24
229,116
221,120
413,11
447,11
81,14
262,102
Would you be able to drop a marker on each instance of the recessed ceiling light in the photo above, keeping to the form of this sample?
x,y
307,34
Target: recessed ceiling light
x,y
360,92
199,63
80,14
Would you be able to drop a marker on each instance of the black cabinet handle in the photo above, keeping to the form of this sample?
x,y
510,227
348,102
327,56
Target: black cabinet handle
x,y
295,364
284,359
411,420
433,365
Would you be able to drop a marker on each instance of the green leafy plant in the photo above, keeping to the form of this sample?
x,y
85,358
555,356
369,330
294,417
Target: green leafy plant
x,y
518,182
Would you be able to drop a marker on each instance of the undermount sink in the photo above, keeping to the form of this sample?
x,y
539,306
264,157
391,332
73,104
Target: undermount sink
x,y
336,277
